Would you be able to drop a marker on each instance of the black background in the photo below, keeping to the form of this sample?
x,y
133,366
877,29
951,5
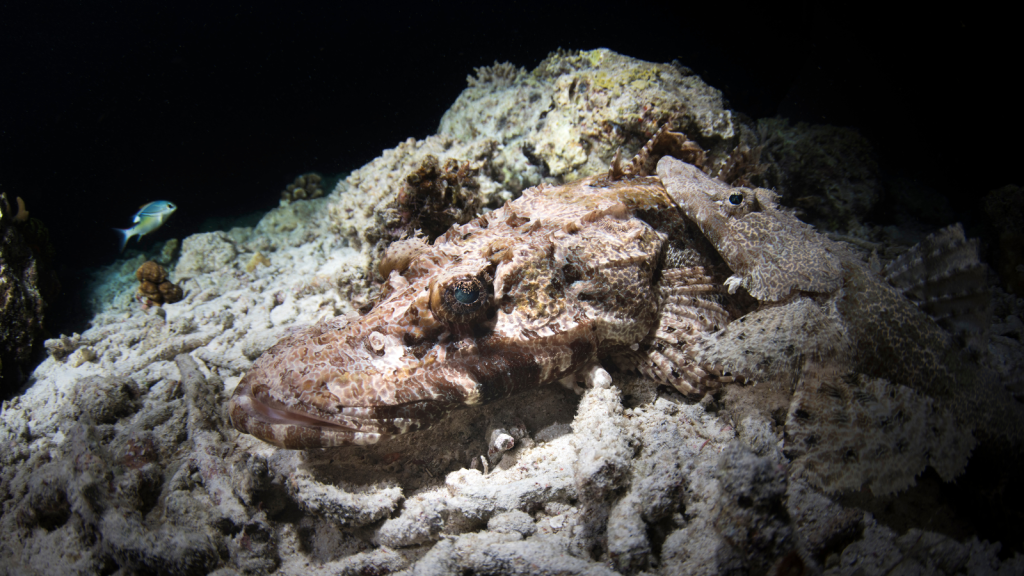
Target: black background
x,y
107,106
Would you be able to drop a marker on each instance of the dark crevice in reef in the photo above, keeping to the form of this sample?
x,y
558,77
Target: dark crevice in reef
x,y
988,497
983,501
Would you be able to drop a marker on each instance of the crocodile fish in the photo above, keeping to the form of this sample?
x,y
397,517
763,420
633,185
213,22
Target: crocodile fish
x,y
544,289
681,277
877,379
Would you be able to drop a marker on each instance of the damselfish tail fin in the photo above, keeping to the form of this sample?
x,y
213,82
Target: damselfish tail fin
x,y
125,235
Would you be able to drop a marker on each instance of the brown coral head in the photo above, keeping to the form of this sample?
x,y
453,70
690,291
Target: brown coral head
x,y
171,293
154,286
305,187
150,290
151,272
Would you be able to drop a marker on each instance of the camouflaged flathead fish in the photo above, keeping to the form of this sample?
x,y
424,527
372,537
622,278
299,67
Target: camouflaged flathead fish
x,y
691,282
543,289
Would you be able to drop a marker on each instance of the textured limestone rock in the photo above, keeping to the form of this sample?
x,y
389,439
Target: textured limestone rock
x,y
201,253
747,513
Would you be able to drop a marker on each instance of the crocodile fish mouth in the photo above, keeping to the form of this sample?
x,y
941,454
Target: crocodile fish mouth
x,y
270,420
283,405
297,427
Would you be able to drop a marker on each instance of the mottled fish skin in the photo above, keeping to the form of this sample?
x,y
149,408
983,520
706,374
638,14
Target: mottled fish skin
x,y
770,251
534,292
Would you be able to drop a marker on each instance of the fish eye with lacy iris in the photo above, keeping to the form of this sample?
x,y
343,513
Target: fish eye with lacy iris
x,y
657,268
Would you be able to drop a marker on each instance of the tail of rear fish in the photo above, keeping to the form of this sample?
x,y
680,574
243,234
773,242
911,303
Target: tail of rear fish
x,y
944,277
125,235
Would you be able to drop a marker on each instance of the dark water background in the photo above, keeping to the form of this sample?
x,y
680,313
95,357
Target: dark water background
x,y
106,106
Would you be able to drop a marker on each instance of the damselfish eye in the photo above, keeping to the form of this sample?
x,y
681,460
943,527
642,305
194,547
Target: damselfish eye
x,y
459,300
736,199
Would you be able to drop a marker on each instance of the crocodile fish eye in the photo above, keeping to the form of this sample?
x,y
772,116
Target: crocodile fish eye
x,y
736,199
466,295
458,299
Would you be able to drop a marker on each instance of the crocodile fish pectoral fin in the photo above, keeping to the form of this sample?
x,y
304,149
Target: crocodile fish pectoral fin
x,y
690,303
776,342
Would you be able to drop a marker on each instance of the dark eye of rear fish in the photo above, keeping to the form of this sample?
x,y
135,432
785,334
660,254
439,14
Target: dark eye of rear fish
x,y
736,199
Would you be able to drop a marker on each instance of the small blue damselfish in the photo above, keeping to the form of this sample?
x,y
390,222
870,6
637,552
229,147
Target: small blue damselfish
x,y
150,217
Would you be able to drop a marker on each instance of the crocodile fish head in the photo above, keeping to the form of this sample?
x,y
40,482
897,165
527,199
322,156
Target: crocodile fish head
x,y
522,296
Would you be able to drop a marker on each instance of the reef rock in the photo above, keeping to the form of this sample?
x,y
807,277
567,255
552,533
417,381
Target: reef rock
x,y
513,129
829,173
26,282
